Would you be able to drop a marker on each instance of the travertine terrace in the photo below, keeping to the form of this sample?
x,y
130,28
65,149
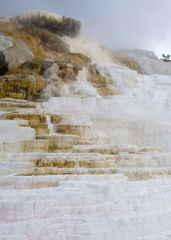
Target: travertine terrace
x,y
85,147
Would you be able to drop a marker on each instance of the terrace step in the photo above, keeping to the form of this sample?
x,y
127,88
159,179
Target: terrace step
x,y
36,182
24,146
40,128
25,116
17,105
83,131
12,100
115,149
60,141
98,161
95,160
64,171
132,173
87,142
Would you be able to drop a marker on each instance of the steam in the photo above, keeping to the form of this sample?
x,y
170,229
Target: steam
x,y
116,24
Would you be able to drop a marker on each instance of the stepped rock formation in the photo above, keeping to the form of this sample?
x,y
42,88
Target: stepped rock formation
x,y
85,136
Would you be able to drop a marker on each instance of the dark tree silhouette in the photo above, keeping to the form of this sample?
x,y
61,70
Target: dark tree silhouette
x,y
166,58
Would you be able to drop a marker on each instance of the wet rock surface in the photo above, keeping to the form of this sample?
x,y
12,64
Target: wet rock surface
x,y
3,64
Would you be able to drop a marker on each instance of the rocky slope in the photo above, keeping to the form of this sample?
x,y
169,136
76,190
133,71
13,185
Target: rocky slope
x,y
148,62
85,135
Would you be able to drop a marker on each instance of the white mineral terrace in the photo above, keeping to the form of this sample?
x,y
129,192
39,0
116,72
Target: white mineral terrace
x,y
88,169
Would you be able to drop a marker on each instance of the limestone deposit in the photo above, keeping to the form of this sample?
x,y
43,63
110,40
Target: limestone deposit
x,y
85,136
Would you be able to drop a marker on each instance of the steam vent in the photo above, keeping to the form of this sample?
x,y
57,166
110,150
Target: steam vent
x,y
85,135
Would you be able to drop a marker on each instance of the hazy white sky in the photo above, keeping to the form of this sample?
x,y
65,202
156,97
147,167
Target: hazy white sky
x,y
141,24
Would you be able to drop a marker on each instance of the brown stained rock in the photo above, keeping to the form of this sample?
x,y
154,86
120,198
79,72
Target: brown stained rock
x,y
60,141
34,43
15,85
48,39
29,44
40,129
31,117
61,74
125,60
40,83
12,88
8,27
84,58
83,131
105,91
33,66
81,96
69,78
37,67
78,60
98,80
20,71
15,95
67,68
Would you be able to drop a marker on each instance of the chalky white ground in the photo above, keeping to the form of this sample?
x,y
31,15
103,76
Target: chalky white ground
x,y
106,176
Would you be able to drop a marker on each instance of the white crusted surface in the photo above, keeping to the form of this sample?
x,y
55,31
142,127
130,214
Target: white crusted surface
x,y
148,62
13,133
1,144
83,209
6,42
140,116
121,77
38,14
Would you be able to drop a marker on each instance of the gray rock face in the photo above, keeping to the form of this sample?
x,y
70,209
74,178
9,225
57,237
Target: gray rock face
x,y
45,66
3,64
140,52
1,48
49,91
38,67
17,54
6,42
148,62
